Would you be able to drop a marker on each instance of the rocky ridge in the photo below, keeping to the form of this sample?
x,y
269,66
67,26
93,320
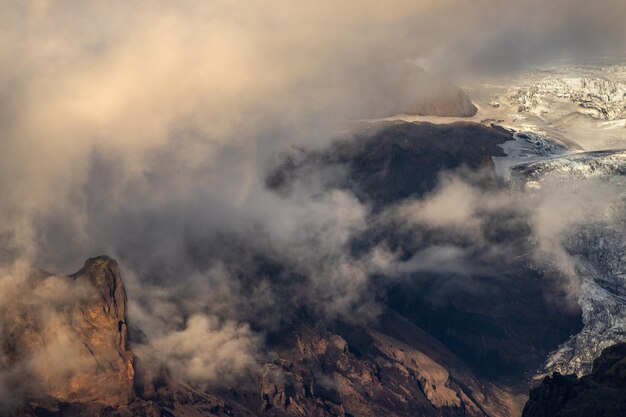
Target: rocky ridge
x,y
392,368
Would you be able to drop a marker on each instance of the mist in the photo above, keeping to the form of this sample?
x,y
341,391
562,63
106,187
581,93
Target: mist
x,y
146,131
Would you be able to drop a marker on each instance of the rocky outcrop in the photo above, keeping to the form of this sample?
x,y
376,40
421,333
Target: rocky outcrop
x,y
103,331
388,162
70,338
600,393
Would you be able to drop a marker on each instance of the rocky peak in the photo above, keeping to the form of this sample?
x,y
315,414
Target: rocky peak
x,y
104,274
72,338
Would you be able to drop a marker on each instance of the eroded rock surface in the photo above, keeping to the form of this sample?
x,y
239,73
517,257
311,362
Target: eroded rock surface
x,y
67,338
391,368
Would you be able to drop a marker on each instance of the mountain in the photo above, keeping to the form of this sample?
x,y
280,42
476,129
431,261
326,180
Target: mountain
x,y
388,162
500,323
388,368
315,366
450,340
600,393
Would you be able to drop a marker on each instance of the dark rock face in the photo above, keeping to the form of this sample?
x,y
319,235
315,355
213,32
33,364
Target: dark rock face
x,y
502,325
503,331
391,369
601,393
389,162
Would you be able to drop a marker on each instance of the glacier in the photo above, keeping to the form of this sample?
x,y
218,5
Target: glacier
x,y
597,248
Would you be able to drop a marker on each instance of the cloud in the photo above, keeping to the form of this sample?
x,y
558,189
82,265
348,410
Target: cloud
x,y
145,130
482,228
209,352
454,203
167,101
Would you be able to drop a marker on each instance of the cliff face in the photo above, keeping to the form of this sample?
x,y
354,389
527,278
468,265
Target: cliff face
x,y
104,333
600,393
74,348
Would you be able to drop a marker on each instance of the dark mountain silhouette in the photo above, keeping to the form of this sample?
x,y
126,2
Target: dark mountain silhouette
x,y
601,393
